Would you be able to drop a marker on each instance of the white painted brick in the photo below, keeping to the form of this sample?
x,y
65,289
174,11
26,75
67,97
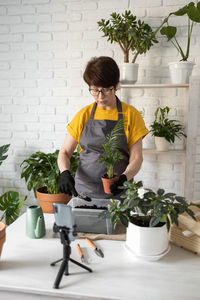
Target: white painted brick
x,y
35,1
39,56
10,2
23,65
38,74
81,6
39,92
11,38
15,109
5,100
51,83
145,3
10,20
4,29
33,37
4,83
59,17
40,126
39,145
11,74
53,46
12,127
37,19
42,109
23,83
53,118
25,118
53,27
5,118
10,91
5,134
25,135
21,10
54,101
50,8
23,28
51,65
61,36
104,4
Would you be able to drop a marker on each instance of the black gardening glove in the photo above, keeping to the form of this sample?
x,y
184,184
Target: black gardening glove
x,y
66,184
115,186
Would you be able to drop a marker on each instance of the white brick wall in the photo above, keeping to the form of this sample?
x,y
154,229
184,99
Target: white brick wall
x,y
44,46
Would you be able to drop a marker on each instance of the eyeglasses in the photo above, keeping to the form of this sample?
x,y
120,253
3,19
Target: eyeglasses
x,y
95,92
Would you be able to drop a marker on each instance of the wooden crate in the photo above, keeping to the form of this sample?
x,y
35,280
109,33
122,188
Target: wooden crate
x,y
187,234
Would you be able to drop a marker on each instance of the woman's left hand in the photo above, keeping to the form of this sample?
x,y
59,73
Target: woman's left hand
x,y
115,186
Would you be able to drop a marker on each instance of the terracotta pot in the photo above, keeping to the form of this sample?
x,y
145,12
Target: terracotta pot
x,y
2,235
107,182
46,200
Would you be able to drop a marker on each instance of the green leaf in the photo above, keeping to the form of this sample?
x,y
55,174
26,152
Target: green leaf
x,y
3,150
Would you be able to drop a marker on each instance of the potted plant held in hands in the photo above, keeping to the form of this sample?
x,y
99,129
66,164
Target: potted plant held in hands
x,y
147,216
41,173
165,130
180,71
10,203
132,35
110,155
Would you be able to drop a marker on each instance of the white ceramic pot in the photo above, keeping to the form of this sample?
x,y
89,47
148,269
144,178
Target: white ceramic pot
x,y
147,241
129,73
161,143
180,71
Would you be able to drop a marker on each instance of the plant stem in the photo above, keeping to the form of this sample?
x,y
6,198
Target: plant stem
x,y
190,28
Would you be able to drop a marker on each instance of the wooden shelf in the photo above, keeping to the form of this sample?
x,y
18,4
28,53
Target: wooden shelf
x,y
149,85
154,151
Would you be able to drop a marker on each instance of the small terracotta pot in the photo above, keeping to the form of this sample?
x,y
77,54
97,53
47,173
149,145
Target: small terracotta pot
x,y
2,235
46,200
107,182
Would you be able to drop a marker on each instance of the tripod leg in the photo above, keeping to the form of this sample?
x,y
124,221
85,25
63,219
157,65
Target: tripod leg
x,y
55,262
80,265
60,274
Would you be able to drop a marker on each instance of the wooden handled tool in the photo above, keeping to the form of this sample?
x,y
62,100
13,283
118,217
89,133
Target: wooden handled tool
x,y
80,252
96,250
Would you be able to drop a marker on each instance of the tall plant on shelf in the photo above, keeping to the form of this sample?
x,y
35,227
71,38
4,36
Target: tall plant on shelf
x,y
131,34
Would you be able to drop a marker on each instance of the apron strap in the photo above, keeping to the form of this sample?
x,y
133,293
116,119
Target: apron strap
x,y
119,108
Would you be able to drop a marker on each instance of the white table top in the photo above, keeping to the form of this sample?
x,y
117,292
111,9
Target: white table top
x,y
25,269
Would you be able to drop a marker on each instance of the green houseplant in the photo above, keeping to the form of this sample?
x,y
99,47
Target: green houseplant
x,y
10,203
41,173
148,215
110,154
165,130
131,34
192,13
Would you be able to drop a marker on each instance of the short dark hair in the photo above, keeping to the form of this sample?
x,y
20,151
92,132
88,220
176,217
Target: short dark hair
x,y
102,71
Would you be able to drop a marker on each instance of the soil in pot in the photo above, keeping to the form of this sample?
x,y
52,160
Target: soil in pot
x,y
46,200
107,182
91,207
143,221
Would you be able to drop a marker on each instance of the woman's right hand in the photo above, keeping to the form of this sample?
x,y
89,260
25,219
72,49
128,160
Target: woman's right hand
x,y
66,184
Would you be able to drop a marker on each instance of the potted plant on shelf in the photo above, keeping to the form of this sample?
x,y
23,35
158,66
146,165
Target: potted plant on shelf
x,y
41,174
165,130
180,71
110,155
10,203
132,35
147,216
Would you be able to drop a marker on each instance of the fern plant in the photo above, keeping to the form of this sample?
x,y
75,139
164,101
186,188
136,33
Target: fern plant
x,y
163,127
110,149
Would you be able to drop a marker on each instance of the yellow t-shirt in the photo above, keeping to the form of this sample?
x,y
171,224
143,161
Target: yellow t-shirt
x,y
134,124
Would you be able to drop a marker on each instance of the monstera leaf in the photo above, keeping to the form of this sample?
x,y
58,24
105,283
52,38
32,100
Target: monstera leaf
x,y
11,204
3,150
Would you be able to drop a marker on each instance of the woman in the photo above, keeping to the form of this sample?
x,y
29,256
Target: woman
x,y
89,128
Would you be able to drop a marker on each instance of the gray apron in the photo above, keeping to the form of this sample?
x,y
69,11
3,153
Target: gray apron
x,y
89,172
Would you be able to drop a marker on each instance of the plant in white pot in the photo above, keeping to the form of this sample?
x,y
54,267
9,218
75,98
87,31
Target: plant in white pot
x,y
147,216
165,130
132,35
181,71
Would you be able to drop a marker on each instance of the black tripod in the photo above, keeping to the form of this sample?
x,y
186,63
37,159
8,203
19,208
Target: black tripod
x,y
66,255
